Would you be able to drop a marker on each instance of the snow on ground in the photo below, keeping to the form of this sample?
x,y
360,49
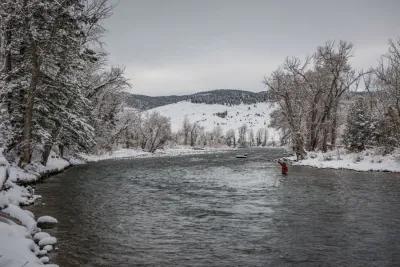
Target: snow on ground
x,y
16,246
167,152
35,170
17,225
255,116
368,160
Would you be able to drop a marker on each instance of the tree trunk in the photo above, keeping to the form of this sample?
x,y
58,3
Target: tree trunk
x,y
334,128
324,145
29,102
313,136
61,150
299,146
49,144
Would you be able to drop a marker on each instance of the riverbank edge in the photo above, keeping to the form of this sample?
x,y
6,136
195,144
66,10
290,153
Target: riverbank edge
x,y
18,226
370,160
16,192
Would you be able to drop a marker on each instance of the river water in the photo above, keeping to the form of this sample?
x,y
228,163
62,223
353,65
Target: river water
x,y
217,210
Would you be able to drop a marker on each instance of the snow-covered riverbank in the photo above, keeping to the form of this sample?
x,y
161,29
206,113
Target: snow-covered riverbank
x,y
22,243
368,160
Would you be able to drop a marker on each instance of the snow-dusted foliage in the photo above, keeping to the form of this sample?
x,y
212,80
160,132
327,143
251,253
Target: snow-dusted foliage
x,y
387,96
56,99
146,131
360,127
55,94
105,94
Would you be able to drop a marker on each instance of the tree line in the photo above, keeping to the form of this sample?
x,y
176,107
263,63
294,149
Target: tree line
x,y
310,95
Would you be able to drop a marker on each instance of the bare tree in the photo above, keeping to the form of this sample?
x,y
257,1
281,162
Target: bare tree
x,y
252,141
194,133
259,136
265,140
186,127
388,77
309,93
157,131
288,90
242,135
230,138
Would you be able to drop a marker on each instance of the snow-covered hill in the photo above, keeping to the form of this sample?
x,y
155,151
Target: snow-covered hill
x,y
255,116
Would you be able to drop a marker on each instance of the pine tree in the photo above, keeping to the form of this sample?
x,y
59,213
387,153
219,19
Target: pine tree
x,y
360,126
46,47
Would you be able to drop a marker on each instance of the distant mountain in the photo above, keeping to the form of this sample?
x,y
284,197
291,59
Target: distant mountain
x,y
219,96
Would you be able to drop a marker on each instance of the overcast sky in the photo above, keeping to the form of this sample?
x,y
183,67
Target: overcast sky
x,y
185,46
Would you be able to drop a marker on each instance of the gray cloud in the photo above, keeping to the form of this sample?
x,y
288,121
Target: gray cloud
x,y
182,46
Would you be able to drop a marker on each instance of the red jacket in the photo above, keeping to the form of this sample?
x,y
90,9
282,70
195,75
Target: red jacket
x,y
284,167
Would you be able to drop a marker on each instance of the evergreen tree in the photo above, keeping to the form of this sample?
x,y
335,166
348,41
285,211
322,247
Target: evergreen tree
x,y
46,97
360,126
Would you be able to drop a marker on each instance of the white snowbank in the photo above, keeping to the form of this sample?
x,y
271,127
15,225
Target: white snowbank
x,y
17,247
168,152
368,160
22,216
35,170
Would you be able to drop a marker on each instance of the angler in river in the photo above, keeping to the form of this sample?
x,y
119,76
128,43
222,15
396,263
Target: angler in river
x,y
284,166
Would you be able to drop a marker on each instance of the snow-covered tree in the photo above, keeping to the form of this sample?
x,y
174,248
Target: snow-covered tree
x,y
243,135
309,93
230,138
252,141
194,132
388,93
186,127
156,130
288,90
105,93
360,126
45,88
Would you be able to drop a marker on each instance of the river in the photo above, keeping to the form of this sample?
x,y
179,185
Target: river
x,y
217,210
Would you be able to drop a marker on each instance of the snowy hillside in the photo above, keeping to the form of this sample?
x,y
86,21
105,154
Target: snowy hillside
x,y
255,116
